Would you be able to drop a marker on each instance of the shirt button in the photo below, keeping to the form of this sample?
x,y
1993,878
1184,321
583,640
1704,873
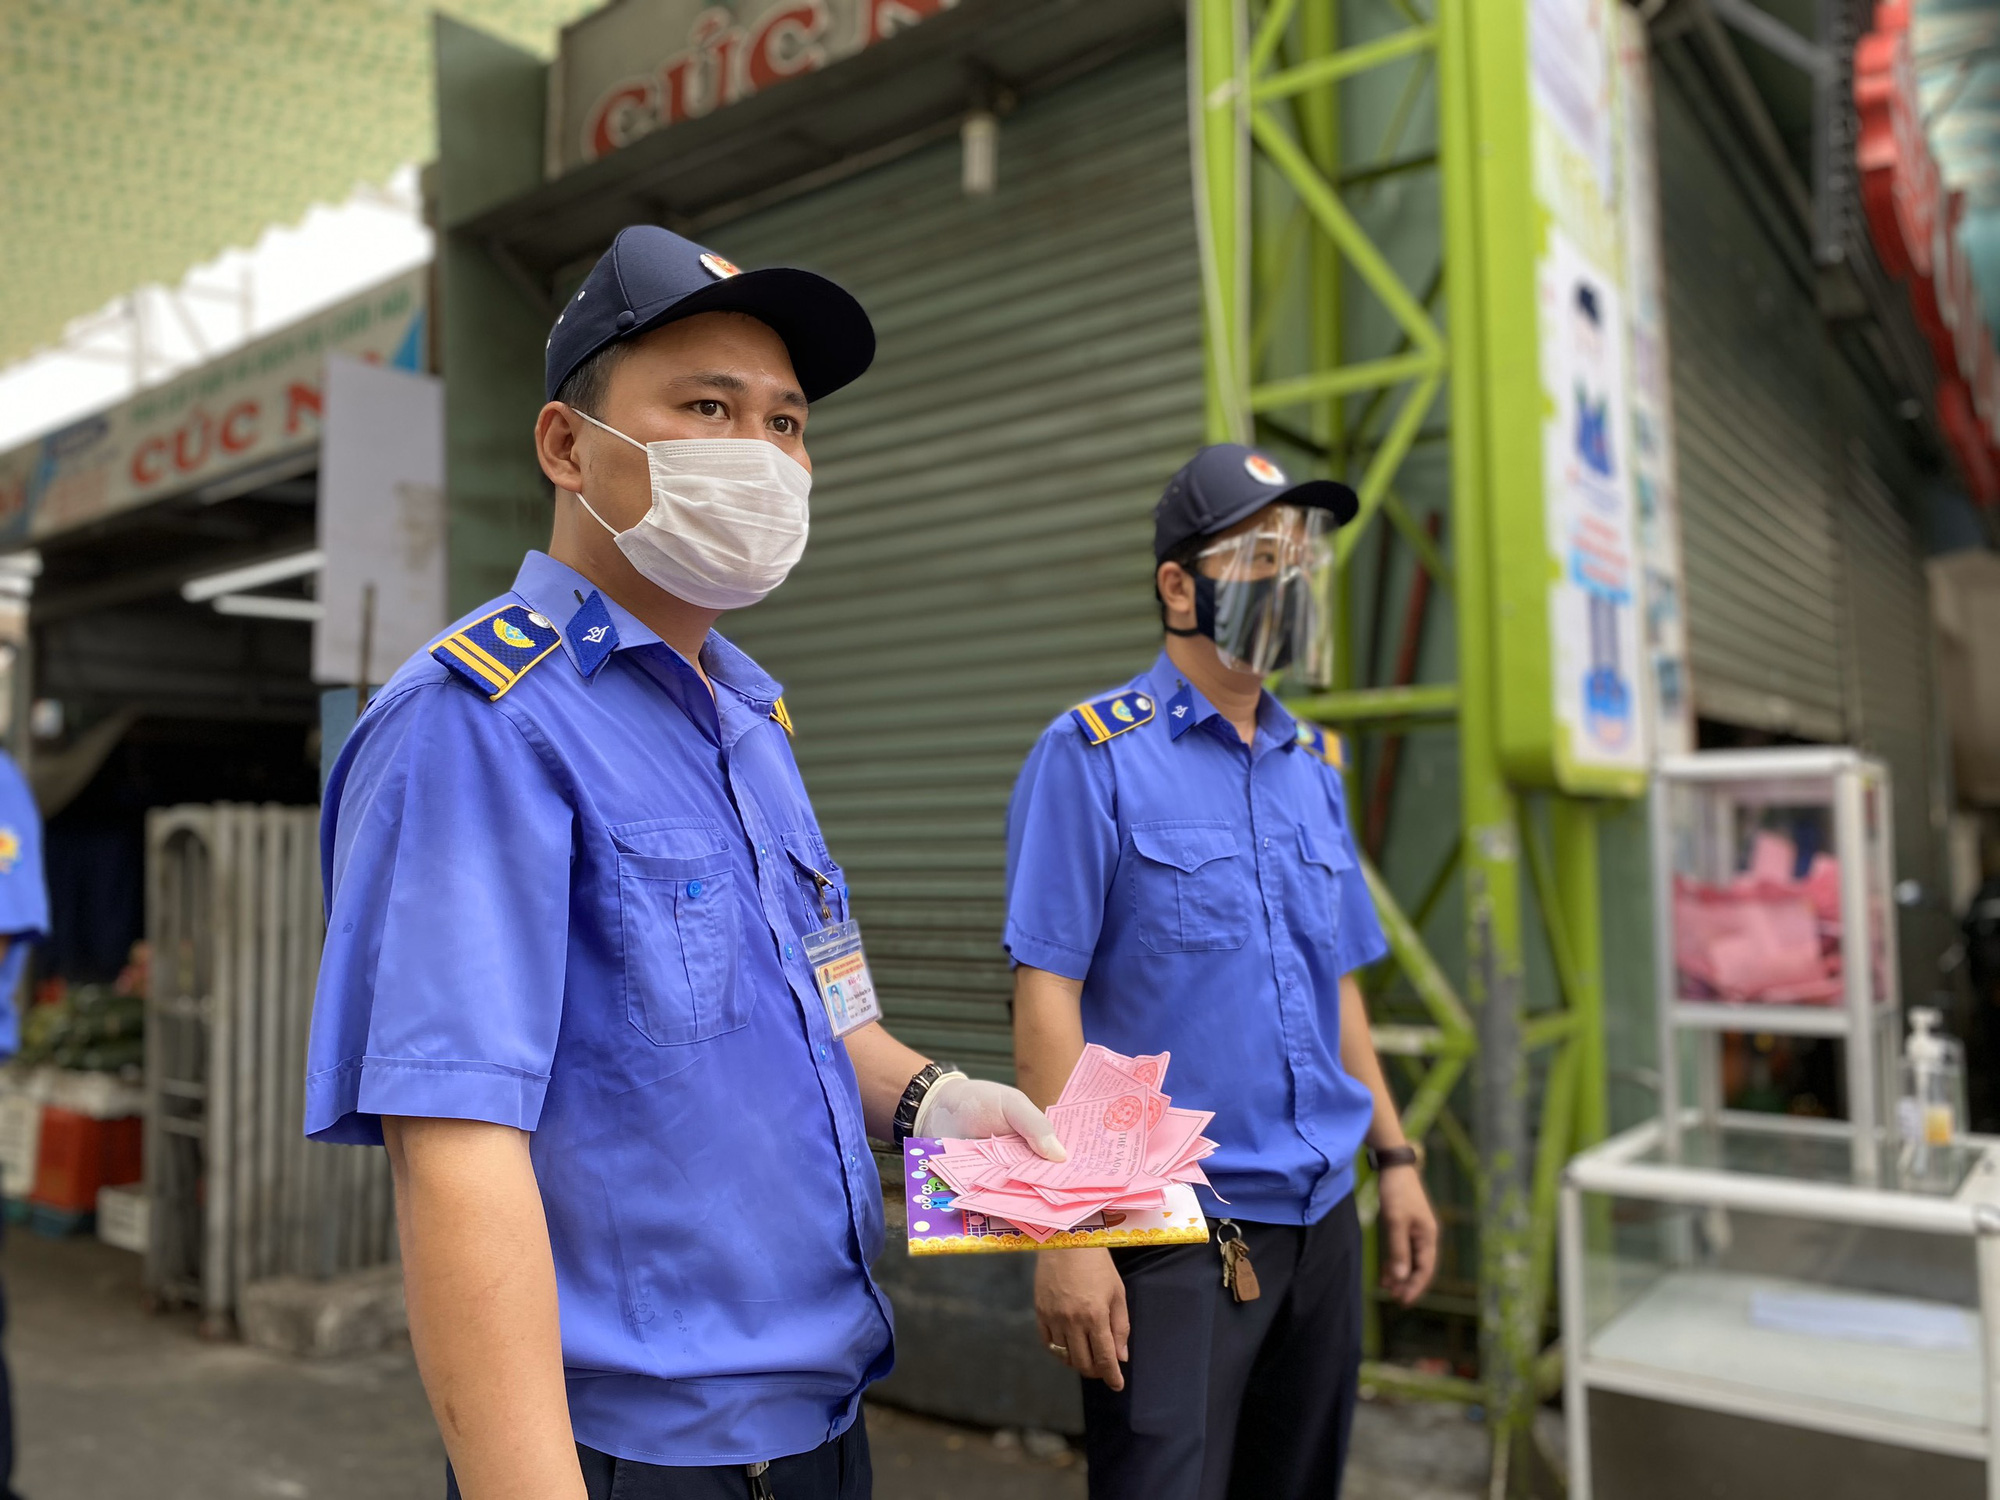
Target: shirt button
x,y
1267,843
822,1052
761,849
694,889
788,950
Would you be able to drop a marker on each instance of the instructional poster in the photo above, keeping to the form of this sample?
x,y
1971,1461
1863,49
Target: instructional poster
x,y
1586,475
1596,633
1670,703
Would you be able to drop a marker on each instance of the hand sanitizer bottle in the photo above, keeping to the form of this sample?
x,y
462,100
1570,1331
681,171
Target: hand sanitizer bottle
x,y
1932,1107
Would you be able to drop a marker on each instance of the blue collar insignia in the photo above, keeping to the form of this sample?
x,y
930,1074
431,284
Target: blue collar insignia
x,y
592,636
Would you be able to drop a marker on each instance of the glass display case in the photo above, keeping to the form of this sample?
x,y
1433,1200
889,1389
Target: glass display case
x,y
1773,888
1754,1266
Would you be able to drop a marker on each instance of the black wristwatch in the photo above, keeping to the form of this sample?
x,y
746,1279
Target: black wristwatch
x,y
1410,1155
913,1100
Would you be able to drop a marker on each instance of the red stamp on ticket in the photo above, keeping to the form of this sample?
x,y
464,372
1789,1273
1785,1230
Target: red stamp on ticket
x,y
1123,1114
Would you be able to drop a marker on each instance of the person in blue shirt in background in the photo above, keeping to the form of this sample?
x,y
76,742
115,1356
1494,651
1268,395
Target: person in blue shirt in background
x,y
24,921
1181,878
590,971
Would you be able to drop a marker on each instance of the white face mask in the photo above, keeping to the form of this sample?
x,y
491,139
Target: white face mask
x,y
728,519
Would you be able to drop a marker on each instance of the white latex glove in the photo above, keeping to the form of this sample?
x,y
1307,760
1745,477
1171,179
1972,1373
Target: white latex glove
x,y
968,1109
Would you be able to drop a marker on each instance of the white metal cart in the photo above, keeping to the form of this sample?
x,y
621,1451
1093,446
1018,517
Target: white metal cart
x,y
1705,807
1746,1267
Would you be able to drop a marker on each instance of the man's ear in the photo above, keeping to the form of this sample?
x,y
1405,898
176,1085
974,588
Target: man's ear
x,y
556,431
1176,591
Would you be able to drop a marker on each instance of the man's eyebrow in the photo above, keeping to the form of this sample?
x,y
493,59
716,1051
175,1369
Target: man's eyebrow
x,y
723,380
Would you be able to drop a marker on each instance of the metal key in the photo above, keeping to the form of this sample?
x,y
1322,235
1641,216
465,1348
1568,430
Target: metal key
x,y
1239,1277
760,1483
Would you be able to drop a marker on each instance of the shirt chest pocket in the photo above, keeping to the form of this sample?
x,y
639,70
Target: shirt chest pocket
x,y
820,886
1192,891
1323,861
681,930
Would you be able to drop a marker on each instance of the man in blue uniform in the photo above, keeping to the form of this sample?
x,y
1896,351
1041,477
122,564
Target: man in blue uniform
x,y
590,971
24,921
1181,879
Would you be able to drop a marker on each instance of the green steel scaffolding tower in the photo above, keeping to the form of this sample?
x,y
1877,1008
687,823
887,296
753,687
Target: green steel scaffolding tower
x,y
1275,89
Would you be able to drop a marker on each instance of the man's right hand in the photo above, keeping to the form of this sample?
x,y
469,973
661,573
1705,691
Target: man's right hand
x,y
1080,1309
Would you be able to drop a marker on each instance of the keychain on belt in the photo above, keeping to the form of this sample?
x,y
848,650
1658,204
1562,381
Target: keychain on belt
x,y
760,1481
1238,1275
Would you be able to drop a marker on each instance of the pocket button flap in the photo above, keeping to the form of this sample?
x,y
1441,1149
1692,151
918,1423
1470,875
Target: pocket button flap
x,y
1324,850
1185,846
669,838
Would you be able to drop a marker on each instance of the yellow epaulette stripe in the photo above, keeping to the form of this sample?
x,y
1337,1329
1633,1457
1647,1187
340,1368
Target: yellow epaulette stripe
x,y
478,661
1091,717
465,640
782,715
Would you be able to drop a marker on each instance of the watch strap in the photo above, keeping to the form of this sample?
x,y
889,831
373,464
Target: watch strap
x,y
1408,1155
913,1100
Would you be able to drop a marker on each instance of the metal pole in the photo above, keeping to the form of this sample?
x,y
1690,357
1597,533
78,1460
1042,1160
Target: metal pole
x,y
1218,61
1575,827
216,1302
1494,979
1858,863
1573,1275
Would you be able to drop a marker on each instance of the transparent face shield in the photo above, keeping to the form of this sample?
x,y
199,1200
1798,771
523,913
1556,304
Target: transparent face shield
x,y
1265,596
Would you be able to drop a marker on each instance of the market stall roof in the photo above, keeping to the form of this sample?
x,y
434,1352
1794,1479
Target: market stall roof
x,y
142,138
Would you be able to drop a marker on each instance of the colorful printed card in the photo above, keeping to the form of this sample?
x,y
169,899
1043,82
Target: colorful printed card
x,y
938,1227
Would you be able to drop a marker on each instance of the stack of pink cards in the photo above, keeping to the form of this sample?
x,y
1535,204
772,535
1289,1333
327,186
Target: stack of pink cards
x,y
1128,1146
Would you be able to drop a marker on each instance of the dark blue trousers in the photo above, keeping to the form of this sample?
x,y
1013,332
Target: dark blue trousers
x,y
839,1470
1228,1400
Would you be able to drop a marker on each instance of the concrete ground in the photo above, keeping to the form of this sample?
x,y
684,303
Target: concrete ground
x,y
112,1402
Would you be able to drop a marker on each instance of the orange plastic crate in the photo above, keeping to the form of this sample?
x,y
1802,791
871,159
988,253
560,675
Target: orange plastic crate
x,y
79,1155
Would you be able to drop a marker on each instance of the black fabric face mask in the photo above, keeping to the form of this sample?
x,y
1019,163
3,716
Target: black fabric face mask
x,y
1244,599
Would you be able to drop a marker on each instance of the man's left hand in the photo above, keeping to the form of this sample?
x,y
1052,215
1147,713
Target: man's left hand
x,y
1409,1234
966,1109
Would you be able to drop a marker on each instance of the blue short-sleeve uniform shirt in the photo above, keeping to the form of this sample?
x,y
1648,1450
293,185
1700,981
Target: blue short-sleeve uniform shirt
x,y
577,909
1206,892
24,893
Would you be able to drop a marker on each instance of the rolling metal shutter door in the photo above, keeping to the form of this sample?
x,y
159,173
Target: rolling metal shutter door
x,y
980,553
1895,706
1761,555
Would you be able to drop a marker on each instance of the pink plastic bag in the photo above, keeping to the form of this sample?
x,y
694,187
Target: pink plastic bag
x,y
1752,940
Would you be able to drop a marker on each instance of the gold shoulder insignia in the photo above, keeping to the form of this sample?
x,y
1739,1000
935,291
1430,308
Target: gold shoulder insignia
x,y
783,715
1325,745
494,652
1102,718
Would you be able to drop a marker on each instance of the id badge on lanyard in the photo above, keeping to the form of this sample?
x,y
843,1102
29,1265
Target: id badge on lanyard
x,y
840,973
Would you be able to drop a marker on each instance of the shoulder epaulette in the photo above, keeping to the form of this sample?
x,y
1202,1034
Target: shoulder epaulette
x,y
1322,744
783,715
1102,718
494,652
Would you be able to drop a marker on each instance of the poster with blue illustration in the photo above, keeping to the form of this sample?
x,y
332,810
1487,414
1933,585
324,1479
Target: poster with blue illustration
x,y
1596,634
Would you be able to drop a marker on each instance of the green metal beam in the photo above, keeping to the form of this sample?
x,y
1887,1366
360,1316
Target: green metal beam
x,y
1427,700
1342,381
1343,64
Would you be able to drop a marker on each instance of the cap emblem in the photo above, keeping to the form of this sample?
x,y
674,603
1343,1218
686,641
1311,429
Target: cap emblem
x,y
1263,470
719,268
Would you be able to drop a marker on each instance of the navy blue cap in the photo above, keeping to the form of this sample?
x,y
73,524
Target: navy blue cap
x,y
651,276
1224,483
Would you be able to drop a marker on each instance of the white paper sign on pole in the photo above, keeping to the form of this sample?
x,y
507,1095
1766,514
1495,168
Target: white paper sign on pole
x,y
1671,694
381,519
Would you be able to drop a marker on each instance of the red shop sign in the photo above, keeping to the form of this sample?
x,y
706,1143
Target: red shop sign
x,y
1913,221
